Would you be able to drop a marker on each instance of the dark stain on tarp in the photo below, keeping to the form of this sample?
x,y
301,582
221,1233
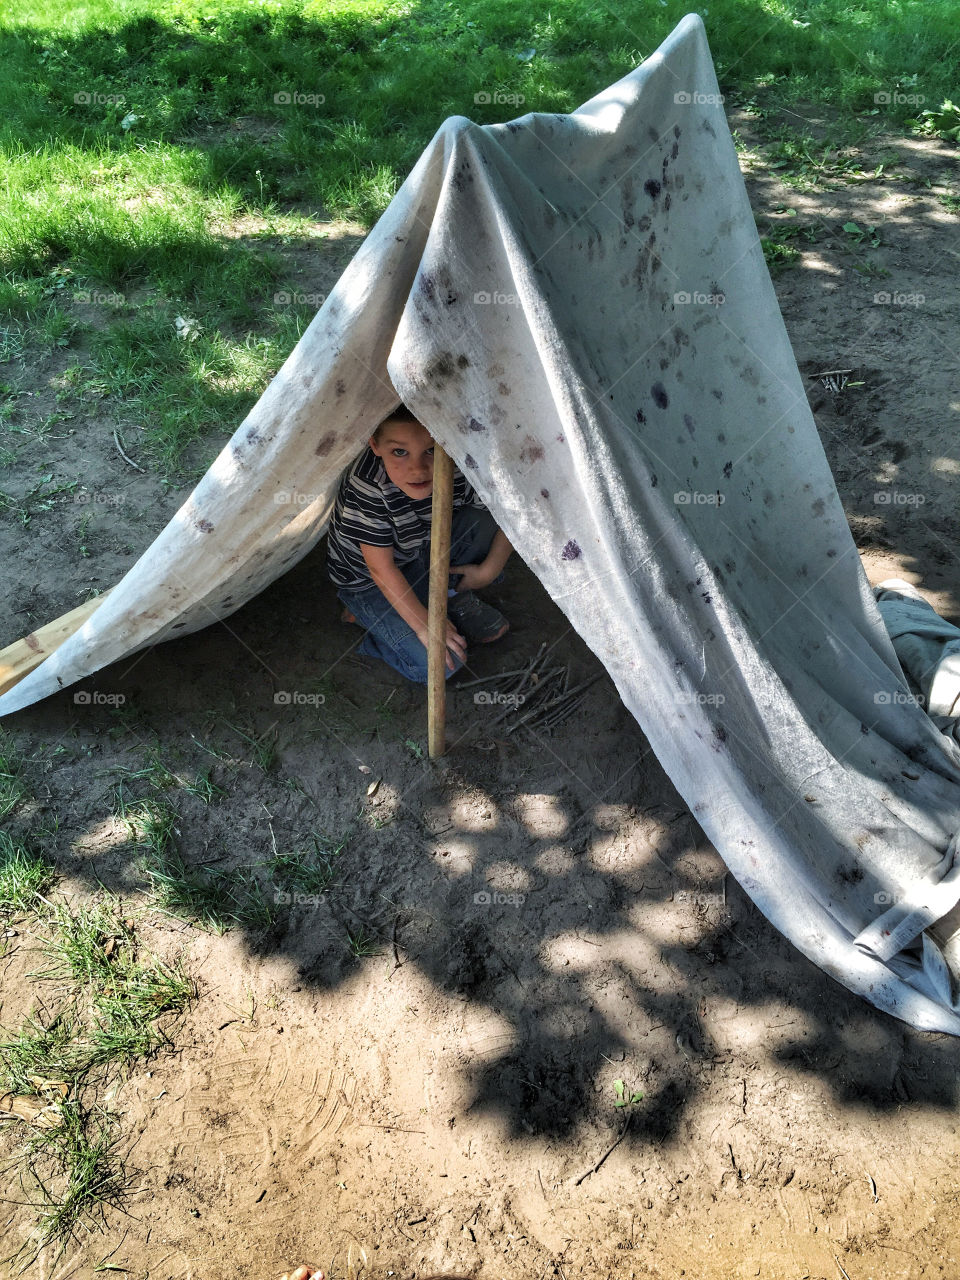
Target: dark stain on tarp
x,y
341,387
470,461
474,425
461,177
688,423
660,397
204,526
641,416
727,469
544,493
628,199
442,368
652,188
571,551
326,444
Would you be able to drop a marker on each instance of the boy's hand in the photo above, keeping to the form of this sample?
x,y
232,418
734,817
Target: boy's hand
x,y
472,576
455,642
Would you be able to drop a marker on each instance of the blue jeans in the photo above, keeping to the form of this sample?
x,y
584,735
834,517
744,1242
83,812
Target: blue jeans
x,y
388,636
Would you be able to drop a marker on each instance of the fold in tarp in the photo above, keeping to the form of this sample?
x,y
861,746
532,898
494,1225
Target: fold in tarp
x,y
577,308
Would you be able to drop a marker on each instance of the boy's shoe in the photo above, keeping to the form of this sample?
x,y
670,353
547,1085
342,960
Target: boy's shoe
x,y
479,622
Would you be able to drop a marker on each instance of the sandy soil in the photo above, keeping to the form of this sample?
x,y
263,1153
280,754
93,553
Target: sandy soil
x,y
448,1103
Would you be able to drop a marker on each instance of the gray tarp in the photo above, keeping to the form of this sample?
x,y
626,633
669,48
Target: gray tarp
x,y
578,309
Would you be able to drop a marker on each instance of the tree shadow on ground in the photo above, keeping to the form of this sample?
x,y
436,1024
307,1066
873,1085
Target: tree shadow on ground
x,y
627,947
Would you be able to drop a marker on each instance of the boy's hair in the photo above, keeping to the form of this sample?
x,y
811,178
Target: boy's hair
x,y
400,414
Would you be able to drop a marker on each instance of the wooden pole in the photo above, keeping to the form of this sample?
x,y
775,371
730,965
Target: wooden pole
x,y
441,520
19,659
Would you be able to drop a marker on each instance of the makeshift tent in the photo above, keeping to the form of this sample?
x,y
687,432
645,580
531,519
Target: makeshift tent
x,y
578,309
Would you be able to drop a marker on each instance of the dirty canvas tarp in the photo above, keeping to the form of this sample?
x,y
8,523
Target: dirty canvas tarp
x,y
578,309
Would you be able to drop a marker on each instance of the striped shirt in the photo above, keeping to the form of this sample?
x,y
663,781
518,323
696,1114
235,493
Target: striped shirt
x,y
371,509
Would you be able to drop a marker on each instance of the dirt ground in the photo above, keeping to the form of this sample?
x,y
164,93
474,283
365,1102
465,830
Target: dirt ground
x,y
448,1103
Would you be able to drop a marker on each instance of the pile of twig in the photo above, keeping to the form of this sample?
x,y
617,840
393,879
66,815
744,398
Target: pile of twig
x,y
533,697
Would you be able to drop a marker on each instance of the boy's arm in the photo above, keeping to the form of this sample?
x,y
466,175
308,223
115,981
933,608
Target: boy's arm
x,y
398,593
482,574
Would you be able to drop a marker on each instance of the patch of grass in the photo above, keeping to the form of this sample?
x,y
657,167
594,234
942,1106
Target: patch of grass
x,y
362,942
778,251
25,877
213,899
110,1006
263,747
162,778
309,872
13,787
71,1174
151,825
92,949
41,497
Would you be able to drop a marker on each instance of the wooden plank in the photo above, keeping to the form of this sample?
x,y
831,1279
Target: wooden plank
x,y
441,520
20,658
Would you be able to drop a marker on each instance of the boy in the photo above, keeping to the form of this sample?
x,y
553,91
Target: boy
x,y
378,551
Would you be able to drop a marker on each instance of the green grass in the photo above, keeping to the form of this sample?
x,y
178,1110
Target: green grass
x,y
72,1174
24,877
308,871
109,1009
362,942
152,168
13,786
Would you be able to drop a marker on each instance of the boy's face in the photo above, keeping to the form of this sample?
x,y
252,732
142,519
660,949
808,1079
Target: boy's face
x,y
407,452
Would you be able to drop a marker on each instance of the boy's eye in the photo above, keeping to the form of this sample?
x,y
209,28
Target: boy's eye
x,y
399,453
